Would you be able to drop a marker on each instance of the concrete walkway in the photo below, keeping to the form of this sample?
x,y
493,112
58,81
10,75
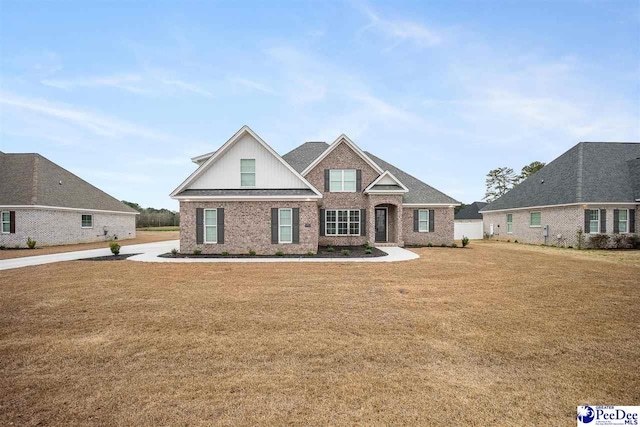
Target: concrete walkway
x,y
149,253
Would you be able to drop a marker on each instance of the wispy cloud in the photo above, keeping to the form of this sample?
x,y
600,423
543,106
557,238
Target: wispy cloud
x,y
399,31
253,85
97,123
188,87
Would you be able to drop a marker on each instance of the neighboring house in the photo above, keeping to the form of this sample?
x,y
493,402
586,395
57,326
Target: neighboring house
x,y
468,222
41,200
594,187
245,196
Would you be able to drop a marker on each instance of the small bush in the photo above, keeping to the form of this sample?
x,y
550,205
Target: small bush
x,y
367,245
580,238
2,247
465,241
330,249
225,253
115,237
508,240
197,251
346,252
454,245
429,245
599,241
634,240
31,244
311,253
515,241
174,252
279,253
368,251
115,248
443,245
252,252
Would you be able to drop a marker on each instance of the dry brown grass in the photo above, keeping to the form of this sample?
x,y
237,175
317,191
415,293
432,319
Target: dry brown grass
x,y
484,335
141,237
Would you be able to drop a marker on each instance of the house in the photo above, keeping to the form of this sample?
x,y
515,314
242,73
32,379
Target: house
x,y
593,187
245,196
42,201
468,222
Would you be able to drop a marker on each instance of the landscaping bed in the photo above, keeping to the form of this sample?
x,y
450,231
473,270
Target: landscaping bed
x,y
120,257
323,252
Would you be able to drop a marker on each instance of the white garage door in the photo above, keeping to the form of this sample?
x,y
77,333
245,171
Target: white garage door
x,y
471,229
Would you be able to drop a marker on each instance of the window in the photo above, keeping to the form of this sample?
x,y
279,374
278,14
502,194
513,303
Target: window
x,y
211,226
247,172
509,223
423,221
6,222
594,220
87,221
342,180
285,221
623,218
342,222
535,219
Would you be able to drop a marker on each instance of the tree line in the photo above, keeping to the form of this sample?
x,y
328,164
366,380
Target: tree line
x,y
503,179
152,217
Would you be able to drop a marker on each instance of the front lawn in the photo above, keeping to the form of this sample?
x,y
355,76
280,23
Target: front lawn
x,y
489,335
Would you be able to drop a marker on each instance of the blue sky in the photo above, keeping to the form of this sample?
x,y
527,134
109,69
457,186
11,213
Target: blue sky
x,y
123,94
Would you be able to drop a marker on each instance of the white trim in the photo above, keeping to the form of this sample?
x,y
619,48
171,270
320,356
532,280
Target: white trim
x,y
404,189
280,241
342,181
585,204
204,226
81,219
3,222
247,198
596,220
510,232
198,159
626,221
386,225
60,208
535,226
428,220
235,138
248,173
430,205
348,211
342,138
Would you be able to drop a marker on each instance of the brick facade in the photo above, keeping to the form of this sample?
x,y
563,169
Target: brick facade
x,y
442,230
247,226
563,222
56,227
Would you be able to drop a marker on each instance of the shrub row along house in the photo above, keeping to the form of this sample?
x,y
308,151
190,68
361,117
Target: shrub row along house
x,y
245,196
594,188
44,202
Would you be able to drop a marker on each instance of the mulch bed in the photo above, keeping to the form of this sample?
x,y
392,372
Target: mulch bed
x,y
323,252
120,257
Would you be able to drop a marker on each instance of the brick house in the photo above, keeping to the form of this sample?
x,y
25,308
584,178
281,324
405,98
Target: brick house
x,y
594,187
245,196
42,201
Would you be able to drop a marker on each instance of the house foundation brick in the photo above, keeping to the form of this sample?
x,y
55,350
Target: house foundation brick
x,y
443,228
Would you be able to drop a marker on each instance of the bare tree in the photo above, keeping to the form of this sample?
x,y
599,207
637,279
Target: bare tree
x,y
498,182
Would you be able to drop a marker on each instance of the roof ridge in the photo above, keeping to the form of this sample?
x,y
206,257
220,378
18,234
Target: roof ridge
x,y
579,172
34,181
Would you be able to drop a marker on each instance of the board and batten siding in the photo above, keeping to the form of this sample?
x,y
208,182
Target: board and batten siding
x,y
225,173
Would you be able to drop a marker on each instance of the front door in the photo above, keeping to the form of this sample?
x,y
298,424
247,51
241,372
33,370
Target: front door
x,y
381,225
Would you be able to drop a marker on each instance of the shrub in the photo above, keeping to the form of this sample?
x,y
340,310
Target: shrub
x,y
346,252
429,245
515,241
2,247
580,237
368,251
31,244
508,240
599,241
115,248
225,253
330,249
443,245
367,245
115,237
311,253
174,252
465,241
634,240
454,245
279,253
252,252
197,251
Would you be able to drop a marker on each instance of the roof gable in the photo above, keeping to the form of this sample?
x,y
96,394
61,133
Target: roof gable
x,y
471,211
221,170
342,139
386,183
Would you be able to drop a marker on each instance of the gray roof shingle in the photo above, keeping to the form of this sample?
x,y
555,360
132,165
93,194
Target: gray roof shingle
x,y
590,172
301,157
471,211
31,179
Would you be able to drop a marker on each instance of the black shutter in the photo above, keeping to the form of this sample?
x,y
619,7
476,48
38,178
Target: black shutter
x,y
587,223
616,218
363,222
199,226
603,220
416,225
632,220
220,225
358,180
326,180
322,223
296,225
432,220
274,225
12,222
